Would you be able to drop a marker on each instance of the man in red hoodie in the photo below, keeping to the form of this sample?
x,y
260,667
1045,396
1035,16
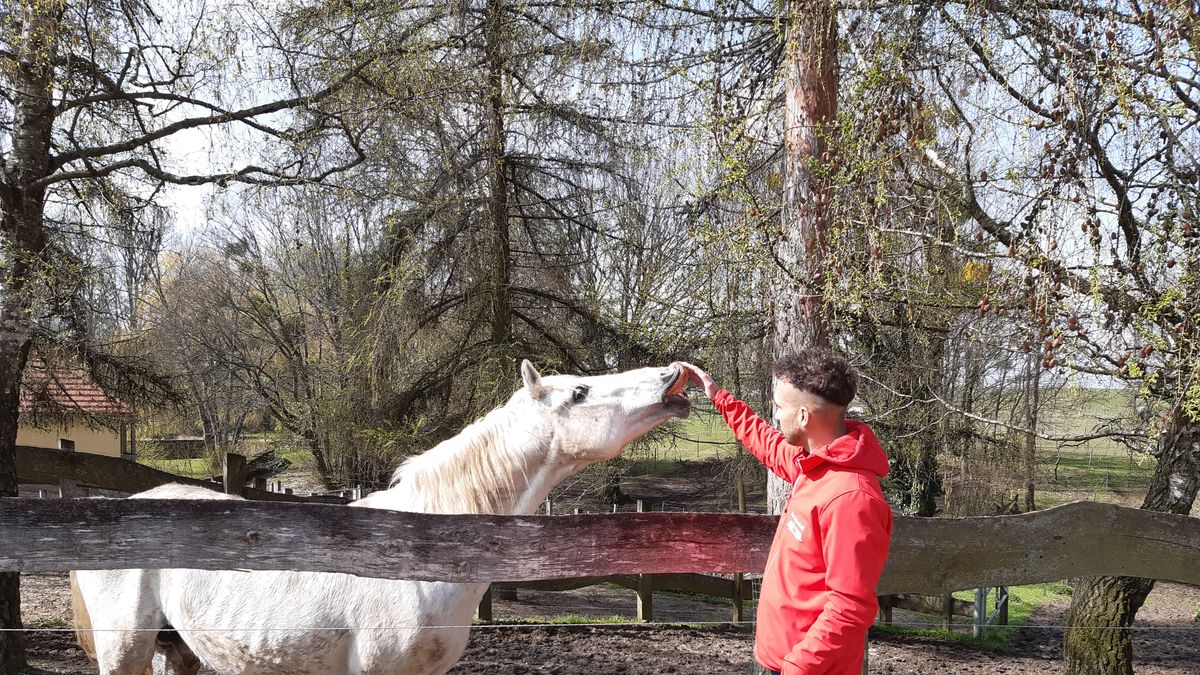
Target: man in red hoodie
x,y
818,590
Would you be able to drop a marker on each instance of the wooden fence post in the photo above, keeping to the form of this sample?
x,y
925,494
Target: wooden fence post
x,y
947,612
737,597
645,590
1002,604
484,612
738,577
885,609
235,474
260,483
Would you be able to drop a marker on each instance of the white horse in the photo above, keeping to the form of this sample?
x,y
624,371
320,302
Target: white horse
x,y
241,622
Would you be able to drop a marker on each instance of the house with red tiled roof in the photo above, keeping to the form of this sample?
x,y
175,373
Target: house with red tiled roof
x,y
63,408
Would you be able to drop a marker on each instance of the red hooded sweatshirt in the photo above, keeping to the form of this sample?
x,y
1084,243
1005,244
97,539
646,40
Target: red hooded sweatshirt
x,y
818,590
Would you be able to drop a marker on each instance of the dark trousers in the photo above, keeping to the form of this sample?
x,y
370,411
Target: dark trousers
x,y
756,669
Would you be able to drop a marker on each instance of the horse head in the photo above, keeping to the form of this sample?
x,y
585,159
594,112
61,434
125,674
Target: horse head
x,y
591,419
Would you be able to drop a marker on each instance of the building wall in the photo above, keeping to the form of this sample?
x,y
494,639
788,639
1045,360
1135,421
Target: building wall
x,y
100,441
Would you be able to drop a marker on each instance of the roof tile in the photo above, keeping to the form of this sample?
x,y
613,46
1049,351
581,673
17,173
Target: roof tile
x,y
62,390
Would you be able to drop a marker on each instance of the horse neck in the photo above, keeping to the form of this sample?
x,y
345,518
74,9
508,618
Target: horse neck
x,y
499,465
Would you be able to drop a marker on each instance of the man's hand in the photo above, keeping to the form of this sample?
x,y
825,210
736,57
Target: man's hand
x,y
694,374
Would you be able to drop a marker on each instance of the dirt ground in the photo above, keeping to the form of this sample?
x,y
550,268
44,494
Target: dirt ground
x,y
703,645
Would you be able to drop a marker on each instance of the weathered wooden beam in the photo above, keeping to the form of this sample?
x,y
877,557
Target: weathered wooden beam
x,y
40,535
717,587
928,556
932,604
938,555
44,465
570,584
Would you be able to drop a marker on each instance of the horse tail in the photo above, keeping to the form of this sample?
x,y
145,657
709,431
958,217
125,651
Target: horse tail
x,y
82,620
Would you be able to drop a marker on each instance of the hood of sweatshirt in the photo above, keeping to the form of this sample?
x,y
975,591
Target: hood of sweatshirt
x,y
857,449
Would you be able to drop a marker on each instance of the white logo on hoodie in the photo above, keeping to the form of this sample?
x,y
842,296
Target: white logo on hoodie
x,y
795,527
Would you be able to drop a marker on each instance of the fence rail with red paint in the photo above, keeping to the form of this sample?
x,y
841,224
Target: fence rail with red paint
x,y
928,555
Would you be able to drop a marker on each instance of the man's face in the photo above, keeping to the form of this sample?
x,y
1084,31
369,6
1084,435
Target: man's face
x,y
792,412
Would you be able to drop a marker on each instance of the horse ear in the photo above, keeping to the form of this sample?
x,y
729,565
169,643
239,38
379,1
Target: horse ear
x,y
532,379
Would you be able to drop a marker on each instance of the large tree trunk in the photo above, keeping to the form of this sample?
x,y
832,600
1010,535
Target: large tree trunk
x,y
13,352
801,317
22,247
1092,644
498,178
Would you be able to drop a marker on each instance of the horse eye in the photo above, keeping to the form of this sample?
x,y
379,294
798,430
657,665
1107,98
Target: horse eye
x,y
580,394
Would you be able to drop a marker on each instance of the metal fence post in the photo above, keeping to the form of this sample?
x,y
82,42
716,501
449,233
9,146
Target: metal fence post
x,y
980,619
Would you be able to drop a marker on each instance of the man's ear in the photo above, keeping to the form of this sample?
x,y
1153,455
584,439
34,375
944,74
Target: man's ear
x,y
532,379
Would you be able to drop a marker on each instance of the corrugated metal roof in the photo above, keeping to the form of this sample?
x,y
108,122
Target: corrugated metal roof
x,y
64,391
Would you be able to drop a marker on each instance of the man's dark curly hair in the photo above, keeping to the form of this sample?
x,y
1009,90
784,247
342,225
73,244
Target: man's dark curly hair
x,y
821,372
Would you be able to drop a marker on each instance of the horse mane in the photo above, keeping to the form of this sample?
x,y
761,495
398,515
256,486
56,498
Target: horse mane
x,y
476,471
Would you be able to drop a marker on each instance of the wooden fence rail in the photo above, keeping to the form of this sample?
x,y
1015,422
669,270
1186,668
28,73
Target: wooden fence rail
x,y
43,465
929,556
701,584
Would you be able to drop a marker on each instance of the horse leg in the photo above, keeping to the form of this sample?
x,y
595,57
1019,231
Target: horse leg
x,y
112,612
81,620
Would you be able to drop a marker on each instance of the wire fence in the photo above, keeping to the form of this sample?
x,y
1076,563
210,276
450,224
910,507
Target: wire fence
x,y
533,625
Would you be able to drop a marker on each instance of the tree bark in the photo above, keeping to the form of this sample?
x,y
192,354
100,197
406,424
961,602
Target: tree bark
x,y
22,246
801,316
497,178
1030,455
1098,603
1094,643
12,363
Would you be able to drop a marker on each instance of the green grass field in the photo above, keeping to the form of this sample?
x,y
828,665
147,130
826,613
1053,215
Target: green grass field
x,y
203,467
189,468
1102,470
703,435
1022,600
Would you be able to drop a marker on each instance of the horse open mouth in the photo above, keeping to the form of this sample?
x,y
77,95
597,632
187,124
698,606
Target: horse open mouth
x,y
674,397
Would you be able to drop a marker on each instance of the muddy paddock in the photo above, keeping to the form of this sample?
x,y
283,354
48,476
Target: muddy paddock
x,y
1165,638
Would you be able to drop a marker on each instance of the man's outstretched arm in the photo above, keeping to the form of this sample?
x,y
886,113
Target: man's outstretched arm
x,y
762,440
